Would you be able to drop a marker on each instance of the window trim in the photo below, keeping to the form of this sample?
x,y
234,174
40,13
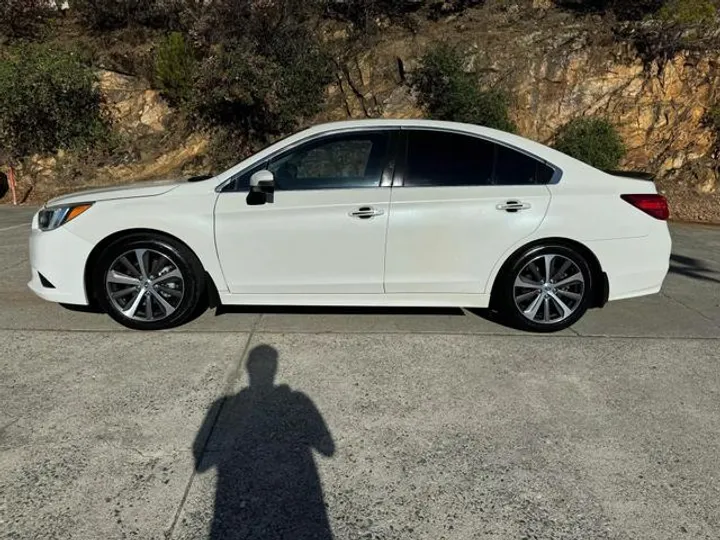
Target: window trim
x,y
404,145
386,175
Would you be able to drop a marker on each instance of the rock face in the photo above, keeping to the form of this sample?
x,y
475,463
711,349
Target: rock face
x,y
659,107
141,115
133,107
164,165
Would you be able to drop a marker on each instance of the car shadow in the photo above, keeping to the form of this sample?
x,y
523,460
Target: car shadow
x,y
82,309
336,310
262,442
693,268
482,313
221,310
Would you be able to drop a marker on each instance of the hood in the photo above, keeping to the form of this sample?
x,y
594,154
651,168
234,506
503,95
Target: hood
x,y
127,191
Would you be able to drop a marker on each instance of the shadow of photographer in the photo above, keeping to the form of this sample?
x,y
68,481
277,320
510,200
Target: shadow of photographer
x,y
261,442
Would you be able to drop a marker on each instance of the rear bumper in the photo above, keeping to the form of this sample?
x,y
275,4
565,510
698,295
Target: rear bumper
x,y
635,266
59,256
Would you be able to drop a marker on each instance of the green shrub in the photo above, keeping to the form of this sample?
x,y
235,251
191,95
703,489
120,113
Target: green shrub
x,y
264,67
263,23
592,140
174,68
714,118
113,14
260,95
631,10
688,11
447,92
48,100
23,18
679,11
227,148
363,14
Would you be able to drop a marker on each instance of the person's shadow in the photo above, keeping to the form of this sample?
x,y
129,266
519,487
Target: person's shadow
x,y
261,440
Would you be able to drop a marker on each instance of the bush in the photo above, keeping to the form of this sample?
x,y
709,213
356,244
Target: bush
x,y
447,92
270,71
23,18
114,14
262,23
48,100
261,95
630,10
227,148
363,14
592,140
714,118
174,68
688,11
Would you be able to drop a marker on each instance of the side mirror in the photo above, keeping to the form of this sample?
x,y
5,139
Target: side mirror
x,y
262,178
262,188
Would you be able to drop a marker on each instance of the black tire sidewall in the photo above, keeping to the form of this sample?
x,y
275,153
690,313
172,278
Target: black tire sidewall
x,y
181,256
510,309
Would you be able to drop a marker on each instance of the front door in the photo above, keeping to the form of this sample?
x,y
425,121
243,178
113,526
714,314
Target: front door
x,y
463,202
325,230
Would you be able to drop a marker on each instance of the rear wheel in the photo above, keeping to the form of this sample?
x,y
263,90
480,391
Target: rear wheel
x,y
546,289
148,282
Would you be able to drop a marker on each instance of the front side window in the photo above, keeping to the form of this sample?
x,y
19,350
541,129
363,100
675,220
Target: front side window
x,y
338,161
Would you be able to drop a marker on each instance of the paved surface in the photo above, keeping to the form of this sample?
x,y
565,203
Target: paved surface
x,y
421,424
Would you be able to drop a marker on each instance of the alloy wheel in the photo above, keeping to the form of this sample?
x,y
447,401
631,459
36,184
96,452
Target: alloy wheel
x,y
144,285
549,289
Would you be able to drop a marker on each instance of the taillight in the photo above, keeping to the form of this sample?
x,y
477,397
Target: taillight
x,y
652,204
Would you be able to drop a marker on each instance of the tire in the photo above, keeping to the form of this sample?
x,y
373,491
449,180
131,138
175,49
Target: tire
x,y
525,289
171,279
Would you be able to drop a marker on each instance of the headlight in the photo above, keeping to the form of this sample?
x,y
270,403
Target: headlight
x,y
55,216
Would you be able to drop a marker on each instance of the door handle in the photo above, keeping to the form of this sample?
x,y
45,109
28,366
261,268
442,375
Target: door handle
x,y
366,212
513,206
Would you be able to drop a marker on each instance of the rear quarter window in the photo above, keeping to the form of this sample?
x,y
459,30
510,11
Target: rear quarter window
x,y
513,168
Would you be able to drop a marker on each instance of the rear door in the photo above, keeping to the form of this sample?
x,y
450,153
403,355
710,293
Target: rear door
x,y
462,203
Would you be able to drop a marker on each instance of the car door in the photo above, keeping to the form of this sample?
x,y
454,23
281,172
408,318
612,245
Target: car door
x,y
461,203
324,231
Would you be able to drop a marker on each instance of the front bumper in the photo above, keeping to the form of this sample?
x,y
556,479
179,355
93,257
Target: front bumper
x,y
60,257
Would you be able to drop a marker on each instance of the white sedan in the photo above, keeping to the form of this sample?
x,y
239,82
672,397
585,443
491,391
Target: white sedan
x,y
363,213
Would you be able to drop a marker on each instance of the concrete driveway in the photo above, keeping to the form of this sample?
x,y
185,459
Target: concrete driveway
x,y
365,424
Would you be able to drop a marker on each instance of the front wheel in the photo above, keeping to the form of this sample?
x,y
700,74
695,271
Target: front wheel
x,y
546,288
148,282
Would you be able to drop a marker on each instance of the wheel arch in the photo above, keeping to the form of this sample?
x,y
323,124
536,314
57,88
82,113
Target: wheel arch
x,y
213,296
600,279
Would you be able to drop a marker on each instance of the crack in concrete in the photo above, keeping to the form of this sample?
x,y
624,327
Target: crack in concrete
x,y
232,377
3,428
694,310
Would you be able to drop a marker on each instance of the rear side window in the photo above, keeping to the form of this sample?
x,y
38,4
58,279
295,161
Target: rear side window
x,y
436,158
513,168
